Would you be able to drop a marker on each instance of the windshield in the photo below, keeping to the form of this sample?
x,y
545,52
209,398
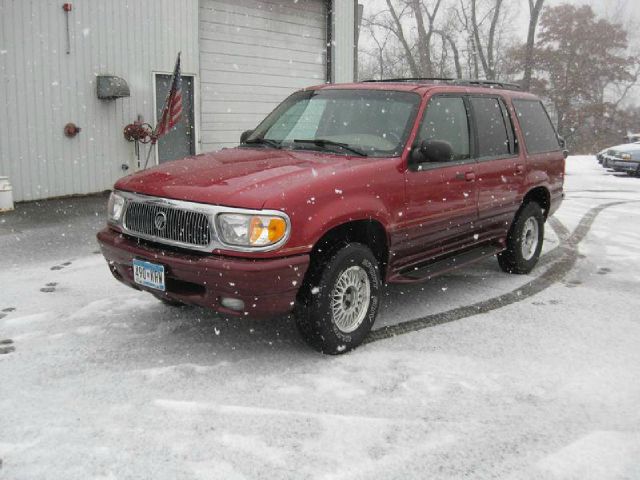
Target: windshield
x,y
367,122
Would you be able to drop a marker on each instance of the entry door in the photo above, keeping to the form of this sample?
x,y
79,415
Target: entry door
x,y
254,54
442,197
181,140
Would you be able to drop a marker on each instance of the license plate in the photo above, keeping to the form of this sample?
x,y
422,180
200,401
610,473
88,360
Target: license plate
x,y
148,274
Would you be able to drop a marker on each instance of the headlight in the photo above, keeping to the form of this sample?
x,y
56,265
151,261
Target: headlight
x,y
115,207
251,230
625,156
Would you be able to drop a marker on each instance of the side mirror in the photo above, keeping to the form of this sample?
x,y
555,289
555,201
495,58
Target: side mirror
x,y
246,134
435,151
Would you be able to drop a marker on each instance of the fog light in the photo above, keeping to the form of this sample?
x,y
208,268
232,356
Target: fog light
x,y
232,304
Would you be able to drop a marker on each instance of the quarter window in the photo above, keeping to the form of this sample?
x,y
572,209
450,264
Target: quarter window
x,y
539,134
446,120
493,139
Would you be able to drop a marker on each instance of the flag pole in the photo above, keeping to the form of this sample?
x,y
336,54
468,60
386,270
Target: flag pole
x,y
153,144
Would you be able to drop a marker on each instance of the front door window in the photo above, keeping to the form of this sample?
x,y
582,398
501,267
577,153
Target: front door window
x,y
446,120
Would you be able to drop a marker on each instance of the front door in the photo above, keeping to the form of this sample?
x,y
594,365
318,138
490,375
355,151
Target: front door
x,y
441,197
180,141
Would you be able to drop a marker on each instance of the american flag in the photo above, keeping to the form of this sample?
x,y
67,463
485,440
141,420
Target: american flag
x,y
172,110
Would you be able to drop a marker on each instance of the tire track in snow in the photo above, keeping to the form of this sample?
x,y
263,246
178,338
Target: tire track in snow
x,y
562,260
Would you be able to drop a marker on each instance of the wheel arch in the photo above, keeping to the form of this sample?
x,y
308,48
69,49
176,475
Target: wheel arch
x,y
369,232
541,196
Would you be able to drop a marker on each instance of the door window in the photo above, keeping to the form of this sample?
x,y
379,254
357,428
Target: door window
x,y
446,120
493,137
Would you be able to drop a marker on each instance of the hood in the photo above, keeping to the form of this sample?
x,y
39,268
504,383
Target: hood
x,y
626,148
632,149
237,177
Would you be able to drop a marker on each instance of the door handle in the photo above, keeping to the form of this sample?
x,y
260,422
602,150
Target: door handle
x,y
468,176
519,169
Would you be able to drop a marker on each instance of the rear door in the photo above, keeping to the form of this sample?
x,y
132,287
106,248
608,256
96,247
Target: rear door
x,y
441,197
500,170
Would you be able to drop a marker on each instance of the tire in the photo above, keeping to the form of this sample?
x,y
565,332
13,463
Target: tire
x,y
524,241
338,303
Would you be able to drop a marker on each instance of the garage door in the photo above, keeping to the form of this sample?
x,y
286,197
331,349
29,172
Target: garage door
x,y
252,55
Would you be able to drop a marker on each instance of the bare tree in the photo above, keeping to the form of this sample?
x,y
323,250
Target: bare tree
x,y
425,26
380,38
398,29
473,67
446,37
535,7
437,39
425,33
486,49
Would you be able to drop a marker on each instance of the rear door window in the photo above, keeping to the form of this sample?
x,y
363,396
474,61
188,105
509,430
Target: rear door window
x,y
493,136
539,134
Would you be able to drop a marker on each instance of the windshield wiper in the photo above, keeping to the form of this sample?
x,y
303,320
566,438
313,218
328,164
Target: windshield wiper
x,y
322,143
263,141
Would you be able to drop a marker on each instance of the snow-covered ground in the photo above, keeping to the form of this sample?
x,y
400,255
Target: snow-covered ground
x,y
544,383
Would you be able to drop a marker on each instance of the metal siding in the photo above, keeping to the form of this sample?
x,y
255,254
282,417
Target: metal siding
x,y
253,54
343,40
42,88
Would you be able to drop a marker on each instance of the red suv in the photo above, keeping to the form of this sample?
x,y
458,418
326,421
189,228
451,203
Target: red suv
x,y
340,190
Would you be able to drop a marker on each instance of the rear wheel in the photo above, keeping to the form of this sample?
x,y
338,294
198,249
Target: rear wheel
x,y
524,241
338,304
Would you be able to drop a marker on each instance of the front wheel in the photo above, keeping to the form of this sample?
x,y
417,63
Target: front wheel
x,y
524,241
339,302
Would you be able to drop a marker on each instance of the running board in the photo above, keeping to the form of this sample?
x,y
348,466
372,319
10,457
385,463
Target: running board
x,y
426,271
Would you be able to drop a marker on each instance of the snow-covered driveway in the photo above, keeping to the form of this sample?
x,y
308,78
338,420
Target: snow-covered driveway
x,y
476,374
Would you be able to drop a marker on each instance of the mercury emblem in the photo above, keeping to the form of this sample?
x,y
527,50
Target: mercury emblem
x,y
160,221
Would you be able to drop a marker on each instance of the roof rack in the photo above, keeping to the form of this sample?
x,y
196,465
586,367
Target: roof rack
x,y
453,81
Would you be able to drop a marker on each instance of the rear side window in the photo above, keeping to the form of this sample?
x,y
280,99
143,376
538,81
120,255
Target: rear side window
x,y
446,120
493,137
539,134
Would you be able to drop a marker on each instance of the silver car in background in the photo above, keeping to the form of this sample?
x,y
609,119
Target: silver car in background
x,y
622,158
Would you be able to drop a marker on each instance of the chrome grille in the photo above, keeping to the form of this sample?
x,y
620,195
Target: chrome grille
x,y
182,226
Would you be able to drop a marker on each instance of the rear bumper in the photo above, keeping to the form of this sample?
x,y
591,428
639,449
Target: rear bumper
x,y
267,287
555,202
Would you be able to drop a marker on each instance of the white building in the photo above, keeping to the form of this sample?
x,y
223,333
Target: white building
x,y
239,59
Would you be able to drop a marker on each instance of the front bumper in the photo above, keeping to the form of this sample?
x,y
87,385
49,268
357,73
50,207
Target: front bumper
x,y
607,160
267,287
625,166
